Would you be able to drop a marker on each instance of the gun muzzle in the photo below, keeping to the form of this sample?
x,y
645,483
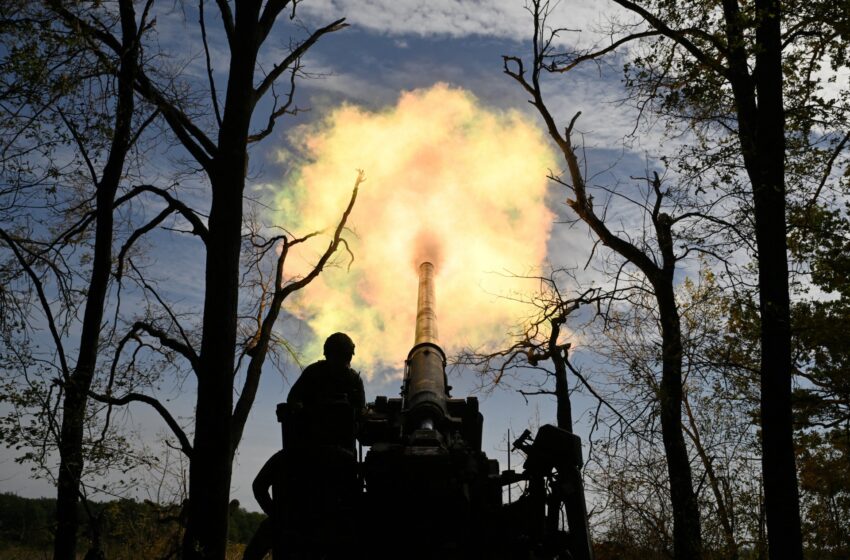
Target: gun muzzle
x,y
424,387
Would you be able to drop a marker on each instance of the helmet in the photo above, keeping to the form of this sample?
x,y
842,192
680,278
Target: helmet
x,y
339,345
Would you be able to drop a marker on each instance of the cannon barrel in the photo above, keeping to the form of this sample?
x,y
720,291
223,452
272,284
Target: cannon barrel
x,y
424,390
426,313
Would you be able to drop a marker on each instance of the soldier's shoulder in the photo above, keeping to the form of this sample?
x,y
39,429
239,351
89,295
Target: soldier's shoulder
x,y
355,377
319,366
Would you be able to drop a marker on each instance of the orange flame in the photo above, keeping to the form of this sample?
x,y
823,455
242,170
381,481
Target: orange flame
x,y
448,181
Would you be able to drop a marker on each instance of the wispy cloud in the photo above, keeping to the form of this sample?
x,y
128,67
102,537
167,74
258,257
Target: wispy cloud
x,y
452,18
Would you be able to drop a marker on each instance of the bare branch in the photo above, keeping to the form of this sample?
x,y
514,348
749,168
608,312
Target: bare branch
x,y
147,122
272,9
554,67
183,349
136,235
158,406
42,298
213,94
679,37
260,345
168,309
277,112
80,146
595,394
193,138
332,247
199,228
296,54
828,170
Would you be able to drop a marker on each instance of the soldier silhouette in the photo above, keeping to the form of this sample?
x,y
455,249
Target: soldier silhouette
x,y
317,467
328,381
263,538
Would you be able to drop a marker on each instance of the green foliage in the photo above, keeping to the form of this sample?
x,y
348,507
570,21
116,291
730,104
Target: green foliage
x,y
825,488
821,236
26,521
820,318
129,529
243,525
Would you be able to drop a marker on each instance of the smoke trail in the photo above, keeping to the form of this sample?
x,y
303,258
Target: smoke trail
x,y
448,181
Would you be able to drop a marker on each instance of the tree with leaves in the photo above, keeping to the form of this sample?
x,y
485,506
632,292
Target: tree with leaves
x,y
653,257
217,136
720,401
47,82
749,81
221,152
819,240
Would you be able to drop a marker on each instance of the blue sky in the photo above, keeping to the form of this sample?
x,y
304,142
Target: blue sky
x,y
393,46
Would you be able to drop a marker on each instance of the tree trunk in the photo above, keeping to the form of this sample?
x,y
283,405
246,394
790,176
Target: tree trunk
x,y
78,383
687,540
70,464
211,464
210,467
779,469
687,534
761,129
564,409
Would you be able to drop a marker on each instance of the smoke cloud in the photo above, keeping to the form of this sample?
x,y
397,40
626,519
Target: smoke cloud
x,y
448,181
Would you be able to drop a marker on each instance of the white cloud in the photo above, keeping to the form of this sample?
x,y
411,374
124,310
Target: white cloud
x,y
454,18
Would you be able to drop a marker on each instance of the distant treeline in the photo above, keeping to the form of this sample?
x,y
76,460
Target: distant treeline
x,y
127,529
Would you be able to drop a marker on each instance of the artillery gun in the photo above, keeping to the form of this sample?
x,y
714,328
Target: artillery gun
x,y
426,490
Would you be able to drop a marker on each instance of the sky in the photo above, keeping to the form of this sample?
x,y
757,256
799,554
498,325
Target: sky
x,y
410,50
429,76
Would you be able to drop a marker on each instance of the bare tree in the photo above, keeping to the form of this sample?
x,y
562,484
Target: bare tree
x,y
656,263
537,342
